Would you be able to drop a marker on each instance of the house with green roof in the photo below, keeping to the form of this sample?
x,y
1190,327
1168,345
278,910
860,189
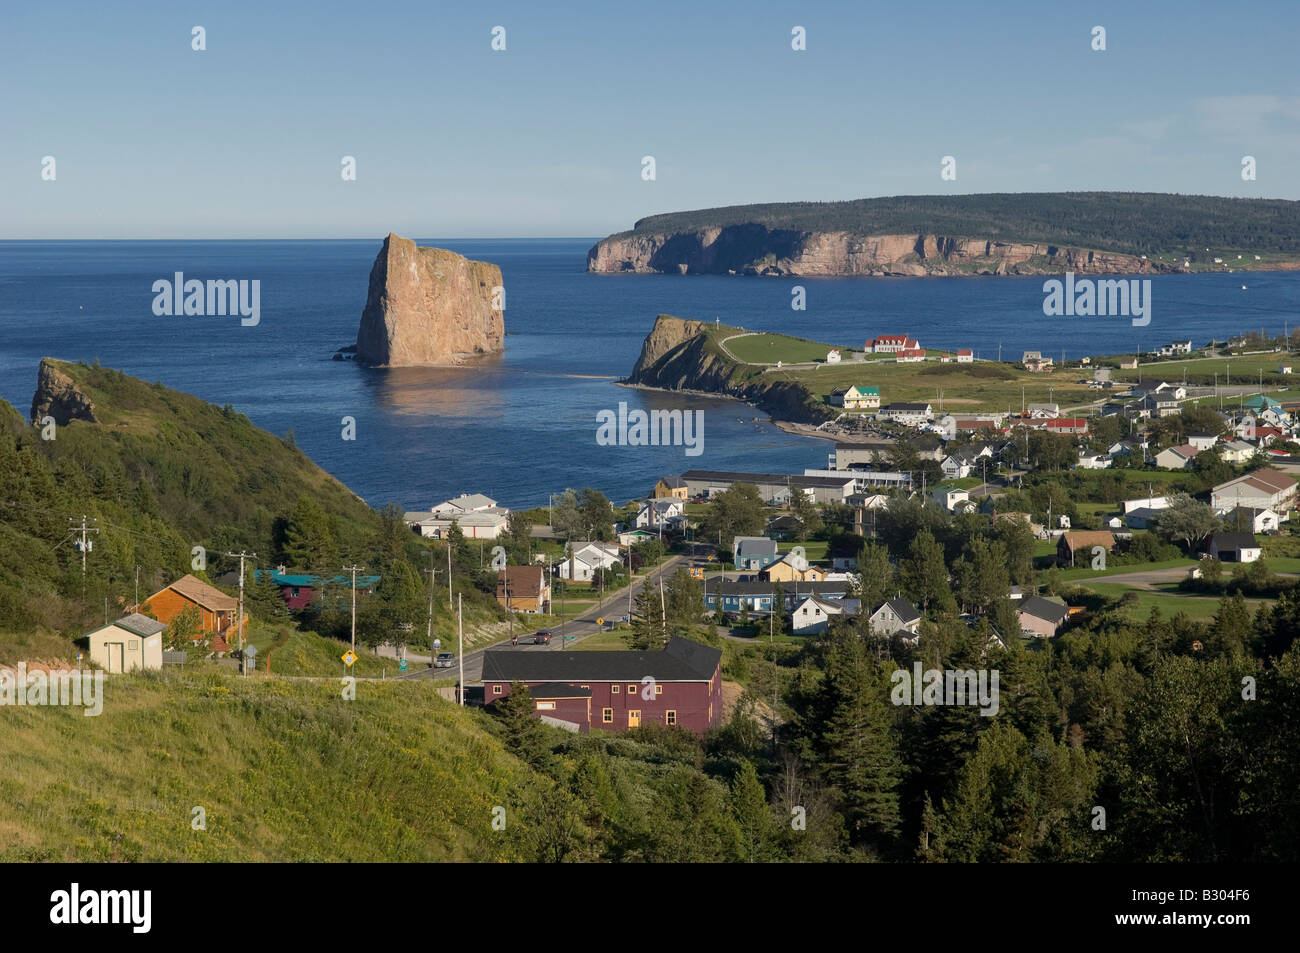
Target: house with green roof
x,y
857,397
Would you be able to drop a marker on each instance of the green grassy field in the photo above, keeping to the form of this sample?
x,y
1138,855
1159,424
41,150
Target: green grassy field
x,y
307,653
814,550
1234,370
601,641
1083,573
964,388
770,348
1166,598
409,776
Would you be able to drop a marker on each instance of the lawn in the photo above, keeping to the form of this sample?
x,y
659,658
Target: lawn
x,y
814,550
1079,573
1167,599
1231,370
600,641
960,388
770,348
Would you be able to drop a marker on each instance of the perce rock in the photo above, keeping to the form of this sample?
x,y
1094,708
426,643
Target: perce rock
x,y
429,306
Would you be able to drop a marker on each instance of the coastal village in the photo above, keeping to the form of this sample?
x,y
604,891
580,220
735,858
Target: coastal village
x,y
1154,494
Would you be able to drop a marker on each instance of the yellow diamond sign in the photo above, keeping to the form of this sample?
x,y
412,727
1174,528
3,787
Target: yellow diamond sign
x,y
349,657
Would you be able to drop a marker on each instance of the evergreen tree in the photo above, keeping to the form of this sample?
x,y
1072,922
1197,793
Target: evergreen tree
x,y
925,575
524,735
309,538
752,815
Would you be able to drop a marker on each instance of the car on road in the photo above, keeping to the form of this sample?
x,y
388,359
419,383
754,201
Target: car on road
x,y
444,660
542,638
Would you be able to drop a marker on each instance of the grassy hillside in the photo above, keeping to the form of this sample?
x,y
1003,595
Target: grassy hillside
x,y
1131,222
158,473
284,771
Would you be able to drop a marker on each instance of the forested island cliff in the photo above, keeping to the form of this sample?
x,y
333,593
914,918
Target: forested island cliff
x,y
993,234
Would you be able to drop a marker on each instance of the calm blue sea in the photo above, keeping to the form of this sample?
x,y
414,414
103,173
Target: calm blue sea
x,y
521,425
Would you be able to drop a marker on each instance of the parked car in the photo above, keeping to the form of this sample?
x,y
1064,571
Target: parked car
x,y
444,660
542,638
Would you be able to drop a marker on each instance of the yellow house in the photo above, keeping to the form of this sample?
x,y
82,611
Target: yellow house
x,y
784,571
671,487
132,642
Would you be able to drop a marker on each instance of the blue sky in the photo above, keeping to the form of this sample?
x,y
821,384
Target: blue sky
x,y
245,139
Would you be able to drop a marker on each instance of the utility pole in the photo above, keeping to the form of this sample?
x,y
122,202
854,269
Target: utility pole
x,y
663,612
449,604
83,544
460,649
433,575
242,556
137,590
354,570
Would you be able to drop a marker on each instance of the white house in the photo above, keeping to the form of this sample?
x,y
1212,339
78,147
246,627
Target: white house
x,y
813,614
1235,547
663,512
833,356
1265,489
132,642
1176,458
1094,461
1252,519
896,616
1237,451
586,557
913,414
1149,503
1043,410
477,516
965,356
1202,441
950,498
891,344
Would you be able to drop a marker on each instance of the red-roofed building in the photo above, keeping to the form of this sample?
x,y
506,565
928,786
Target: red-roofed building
x,y
910,354
965,356
973,425
891,344
1066,425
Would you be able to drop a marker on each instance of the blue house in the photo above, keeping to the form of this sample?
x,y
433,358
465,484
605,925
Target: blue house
x,y
756,595
753,552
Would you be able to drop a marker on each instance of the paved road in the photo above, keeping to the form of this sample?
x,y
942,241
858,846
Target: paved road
x,y
613,607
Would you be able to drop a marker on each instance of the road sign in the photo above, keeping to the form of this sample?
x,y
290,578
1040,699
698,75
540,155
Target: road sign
x,y
437,644
401,665
600,622
349,657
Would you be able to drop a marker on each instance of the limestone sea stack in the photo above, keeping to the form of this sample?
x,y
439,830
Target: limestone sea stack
x,y
429,306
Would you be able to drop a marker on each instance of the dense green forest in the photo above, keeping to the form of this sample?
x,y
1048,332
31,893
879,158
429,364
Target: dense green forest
x,y
1130,222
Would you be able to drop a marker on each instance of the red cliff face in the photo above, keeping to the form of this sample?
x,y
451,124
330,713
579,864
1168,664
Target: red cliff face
x,y
58,396
758,250
430,306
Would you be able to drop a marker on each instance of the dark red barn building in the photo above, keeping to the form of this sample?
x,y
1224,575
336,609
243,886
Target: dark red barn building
x,y
680,685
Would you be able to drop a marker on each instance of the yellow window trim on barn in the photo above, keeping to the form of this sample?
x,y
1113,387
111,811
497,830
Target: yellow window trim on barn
x,y
496,689
614,690
546,706
670,716
607,715
659,689
631,689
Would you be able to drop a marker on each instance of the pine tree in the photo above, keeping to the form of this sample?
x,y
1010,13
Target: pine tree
x,y
858,747
752,815
524,735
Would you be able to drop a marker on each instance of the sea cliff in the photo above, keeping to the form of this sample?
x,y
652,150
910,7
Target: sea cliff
x,y
429,306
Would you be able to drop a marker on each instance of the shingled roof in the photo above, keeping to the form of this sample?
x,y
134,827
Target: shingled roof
x,y
681,660
200,593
